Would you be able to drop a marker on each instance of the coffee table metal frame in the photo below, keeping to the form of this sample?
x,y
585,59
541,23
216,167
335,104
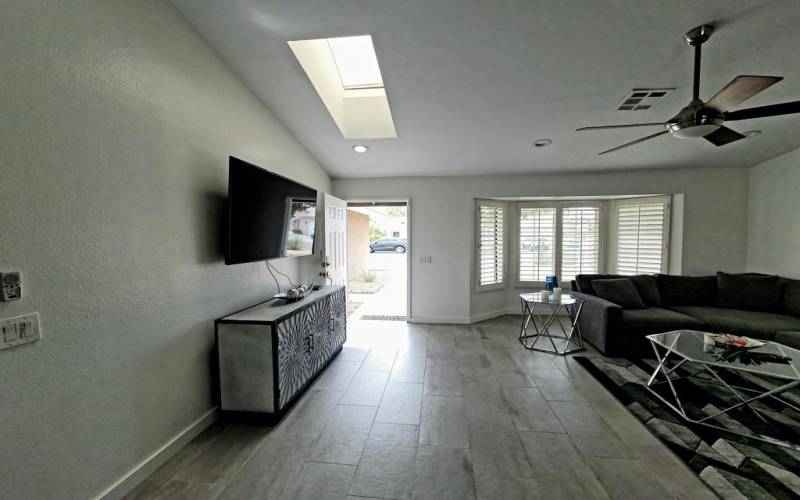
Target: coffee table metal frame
x,y
569,339
672,359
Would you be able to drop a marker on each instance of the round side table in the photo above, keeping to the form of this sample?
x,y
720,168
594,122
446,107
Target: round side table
x,y
550,335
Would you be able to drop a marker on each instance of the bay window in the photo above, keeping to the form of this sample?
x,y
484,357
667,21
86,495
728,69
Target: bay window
x,y
557,238
567,237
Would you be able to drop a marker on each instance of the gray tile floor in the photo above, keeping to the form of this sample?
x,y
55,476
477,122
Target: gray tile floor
x,y
439,412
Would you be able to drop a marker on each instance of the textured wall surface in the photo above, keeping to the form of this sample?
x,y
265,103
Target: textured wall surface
x,y
116,121
773,236
714,225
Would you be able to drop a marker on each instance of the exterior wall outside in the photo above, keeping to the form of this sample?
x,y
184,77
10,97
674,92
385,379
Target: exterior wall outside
x,y
357,243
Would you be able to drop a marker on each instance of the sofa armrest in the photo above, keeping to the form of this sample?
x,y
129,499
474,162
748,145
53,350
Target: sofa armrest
x,y
600,323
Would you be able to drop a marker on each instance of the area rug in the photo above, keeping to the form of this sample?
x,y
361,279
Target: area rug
x,y
733,466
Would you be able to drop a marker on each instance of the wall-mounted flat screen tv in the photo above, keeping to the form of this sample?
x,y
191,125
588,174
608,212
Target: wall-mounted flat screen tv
x,y
269,216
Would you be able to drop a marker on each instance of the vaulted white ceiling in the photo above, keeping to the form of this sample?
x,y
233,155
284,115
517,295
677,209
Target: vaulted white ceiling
x,y
472,83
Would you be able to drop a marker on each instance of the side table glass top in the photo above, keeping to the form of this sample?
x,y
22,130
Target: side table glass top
x,y
547,298
771,359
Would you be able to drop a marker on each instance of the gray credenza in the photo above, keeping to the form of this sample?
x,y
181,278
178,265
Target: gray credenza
x,y
271,352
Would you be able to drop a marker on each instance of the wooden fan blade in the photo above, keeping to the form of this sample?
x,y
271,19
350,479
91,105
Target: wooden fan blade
x,y
723,136
601,127
637,141
785,108
742,87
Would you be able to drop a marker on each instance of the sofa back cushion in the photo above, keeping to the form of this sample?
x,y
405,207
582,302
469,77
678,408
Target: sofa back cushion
x,y
620,291
748,292
790,297
648,289
584,281
687,290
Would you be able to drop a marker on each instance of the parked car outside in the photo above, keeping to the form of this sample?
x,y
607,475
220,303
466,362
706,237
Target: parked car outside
x,y
398,245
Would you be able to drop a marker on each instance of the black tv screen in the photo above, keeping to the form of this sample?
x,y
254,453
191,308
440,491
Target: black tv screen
x,y
269,216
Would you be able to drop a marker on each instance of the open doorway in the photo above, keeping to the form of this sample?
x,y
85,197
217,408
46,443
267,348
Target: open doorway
x,y
378,250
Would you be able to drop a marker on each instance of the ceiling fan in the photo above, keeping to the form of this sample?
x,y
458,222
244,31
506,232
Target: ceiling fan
x,y
705,119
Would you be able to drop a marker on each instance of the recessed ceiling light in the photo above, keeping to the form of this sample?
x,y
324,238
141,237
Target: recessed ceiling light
x,y
542,143
360,148
752,133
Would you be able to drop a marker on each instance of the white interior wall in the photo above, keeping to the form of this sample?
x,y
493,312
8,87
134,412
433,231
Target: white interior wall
x,y
714,208
117,121
773,239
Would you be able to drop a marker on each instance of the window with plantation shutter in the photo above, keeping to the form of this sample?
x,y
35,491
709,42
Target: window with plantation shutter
x,y
580,241
491,244
537,243
642,229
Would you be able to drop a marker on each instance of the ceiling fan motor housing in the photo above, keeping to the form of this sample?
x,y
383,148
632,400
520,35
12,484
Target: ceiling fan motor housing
x,y
695,120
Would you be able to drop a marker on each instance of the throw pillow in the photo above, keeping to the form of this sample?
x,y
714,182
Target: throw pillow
x,y
647,287
584,281
748,292
620,291
687,290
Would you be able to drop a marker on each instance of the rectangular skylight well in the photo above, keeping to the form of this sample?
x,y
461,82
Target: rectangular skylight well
x,y
356,62
345,73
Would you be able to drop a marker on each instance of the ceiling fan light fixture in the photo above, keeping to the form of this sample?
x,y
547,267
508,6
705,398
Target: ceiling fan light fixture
x,y
693,132
690,124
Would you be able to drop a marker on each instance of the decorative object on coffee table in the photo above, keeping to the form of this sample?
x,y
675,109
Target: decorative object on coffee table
x,y
561,340
717,357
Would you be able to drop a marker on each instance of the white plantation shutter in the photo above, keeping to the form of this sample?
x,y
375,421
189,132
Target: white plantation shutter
x,y
537,243
642,236
580,241
491,245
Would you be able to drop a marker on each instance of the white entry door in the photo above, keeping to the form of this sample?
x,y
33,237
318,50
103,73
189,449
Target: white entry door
x,y
335,251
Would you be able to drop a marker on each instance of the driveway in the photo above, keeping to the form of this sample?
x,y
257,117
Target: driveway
x,y
391,299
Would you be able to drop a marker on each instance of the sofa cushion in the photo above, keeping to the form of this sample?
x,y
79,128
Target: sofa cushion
x,y
619,291
584,281
648,289
790,297
640,322
758,324
748,292
687,290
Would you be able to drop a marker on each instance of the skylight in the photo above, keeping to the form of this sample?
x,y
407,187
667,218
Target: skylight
x,y
345,73
356,62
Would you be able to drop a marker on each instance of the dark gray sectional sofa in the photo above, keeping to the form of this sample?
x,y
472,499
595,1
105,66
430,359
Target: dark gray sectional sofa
x,y
756,305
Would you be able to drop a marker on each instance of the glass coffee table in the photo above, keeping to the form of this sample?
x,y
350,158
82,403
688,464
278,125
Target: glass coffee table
x,y
561,340
726,368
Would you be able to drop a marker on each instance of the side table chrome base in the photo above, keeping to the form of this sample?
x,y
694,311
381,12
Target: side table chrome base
x,y
560,343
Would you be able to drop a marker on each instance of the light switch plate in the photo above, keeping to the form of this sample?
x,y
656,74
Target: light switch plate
x,y
19,330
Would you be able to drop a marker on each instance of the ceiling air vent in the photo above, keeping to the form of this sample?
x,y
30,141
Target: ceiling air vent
x,y
641,99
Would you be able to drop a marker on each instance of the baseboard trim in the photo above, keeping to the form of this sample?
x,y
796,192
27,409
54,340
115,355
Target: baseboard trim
x,y
488,315
460,320
439,320
137,474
